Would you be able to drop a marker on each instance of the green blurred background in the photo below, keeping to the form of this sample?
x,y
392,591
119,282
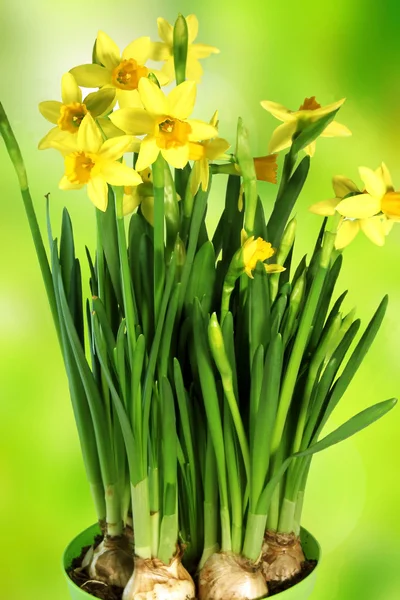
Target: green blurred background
x,y
269,50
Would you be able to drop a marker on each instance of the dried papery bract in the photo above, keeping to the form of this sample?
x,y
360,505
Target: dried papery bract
x,y
226,575
282,556
153,580
112,561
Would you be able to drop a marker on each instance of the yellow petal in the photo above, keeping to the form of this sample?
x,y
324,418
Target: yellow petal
x,y
89,136
278,110
161,76
274,268
343,186
388,225
91,76
114,148
65,184
165,31
216,148
98,192
129,99
55,137
199,51
204,174
147,208
108,129
139,50
131,201
101,102
335,129
326,208
107,51
384,173
160,51
346,233
153,99
374,230
177,157
70,90
134,121
194,70
317,114
181,100
361,206
374,184
201,130
116,173
50,109
66,144
310,149
282,137
193,27
148,153
195,178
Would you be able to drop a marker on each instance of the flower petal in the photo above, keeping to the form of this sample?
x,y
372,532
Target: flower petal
x,y
50,109
282,137
343,186
374,183
278,110
65,184
374,230
98,192
199,51
147,208
116,173
101,102
335,129
89,136
148,153
177,157
108,129
153,99
165,31
66,144
114,148
194,70
160,51
310,149
325,110
215,148
361,206
134,121
274,268
129,99
70,90
131,201
384,173
201,130
55,137
161,76
139,49
346,233
107,51
91,76
193,27
326,208
181,100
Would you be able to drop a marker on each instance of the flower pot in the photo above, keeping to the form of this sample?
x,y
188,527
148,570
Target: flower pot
x,y
301,591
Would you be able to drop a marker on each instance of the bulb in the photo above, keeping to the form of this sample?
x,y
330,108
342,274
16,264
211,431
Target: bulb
x,y
282,556
153,580
112,561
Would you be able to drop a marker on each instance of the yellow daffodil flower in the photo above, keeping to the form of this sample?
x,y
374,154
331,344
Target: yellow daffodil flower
x,y
164,121
134,196
120,73
255,250
68,114
361,211
92,162
202,153
266,168
309,112
164,50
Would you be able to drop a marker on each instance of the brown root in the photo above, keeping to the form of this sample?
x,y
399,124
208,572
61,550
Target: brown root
x,y
282,556
153,580
228,575
112,561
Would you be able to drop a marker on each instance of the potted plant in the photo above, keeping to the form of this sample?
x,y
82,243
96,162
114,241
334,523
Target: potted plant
x,y
204,366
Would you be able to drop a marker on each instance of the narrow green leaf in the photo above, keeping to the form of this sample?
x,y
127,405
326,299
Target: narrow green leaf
x,y
311,132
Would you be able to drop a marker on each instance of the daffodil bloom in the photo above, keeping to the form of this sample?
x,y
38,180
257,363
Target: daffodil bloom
x,y
92,162
135,196
255,250
164,120
165,50
202,153
68,114
360,211
293,121
120,73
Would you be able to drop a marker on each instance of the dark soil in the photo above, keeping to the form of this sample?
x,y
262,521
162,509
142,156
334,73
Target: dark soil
x,y
306,568
107,592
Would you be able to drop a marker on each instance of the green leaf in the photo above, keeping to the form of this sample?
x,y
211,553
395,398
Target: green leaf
x,y
311,132
67,251
247,168
260,310
109,237
202,278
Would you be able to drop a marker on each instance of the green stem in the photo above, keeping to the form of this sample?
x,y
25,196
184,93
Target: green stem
x,y
286,517
141,519
254,537
159,260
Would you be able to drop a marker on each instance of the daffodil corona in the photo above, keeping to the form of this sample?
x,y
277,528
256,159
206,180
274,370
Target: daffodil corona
x,y
294,121
164,122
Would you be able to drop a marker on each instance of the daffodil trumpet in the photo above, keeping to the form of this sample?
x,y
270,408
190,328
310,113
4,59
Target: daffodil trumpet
x,y
205,367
